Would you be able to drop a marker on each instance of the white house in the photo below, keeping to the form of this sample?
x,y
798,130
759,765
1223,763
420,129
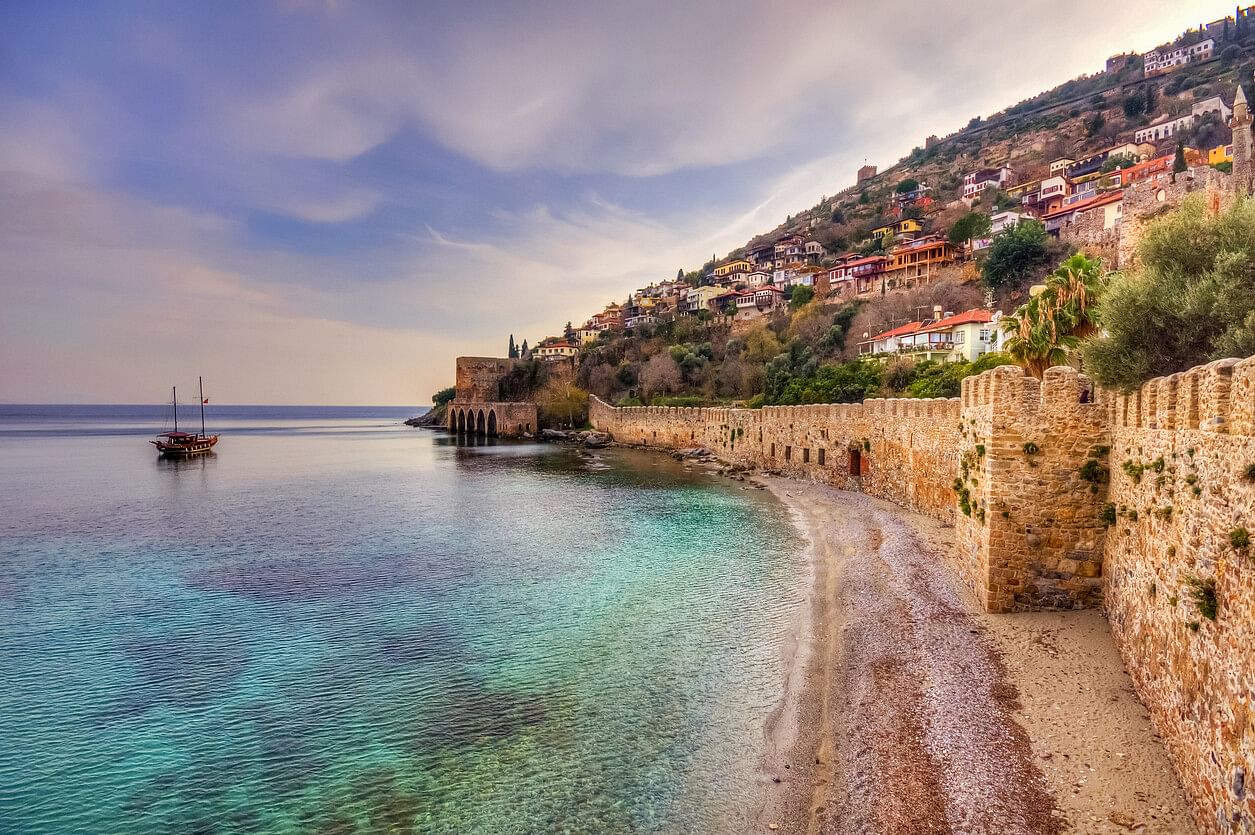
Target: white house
x,y
1165,60
1005,220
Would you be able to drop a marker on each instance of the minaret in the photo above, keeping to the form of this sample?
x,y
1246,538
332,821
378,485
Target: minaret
x,y
1241,124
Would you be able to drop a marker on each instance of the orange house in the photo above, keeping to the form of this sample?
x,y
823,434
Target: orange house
x,y
916,262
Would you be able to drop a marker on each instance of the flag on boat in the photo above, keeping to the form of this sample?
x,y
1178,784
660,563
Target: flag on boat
x,y
204,401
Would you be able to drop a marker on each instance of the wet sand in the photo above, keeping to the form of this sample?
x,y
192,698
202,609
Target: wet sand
x,y
910,711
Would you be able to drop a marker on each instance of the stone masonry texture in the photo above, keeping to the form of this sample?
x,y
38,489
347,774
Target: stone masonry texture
x,y
1063,496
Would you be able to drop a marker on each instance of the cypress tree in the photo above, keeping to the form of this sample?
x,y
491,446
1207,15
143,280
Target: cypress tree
x,y
525,353
514,349
1178,162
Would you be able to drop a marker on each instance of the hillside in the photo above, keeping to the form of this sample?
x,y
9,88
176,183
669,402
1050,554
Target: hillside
x,y
1075,119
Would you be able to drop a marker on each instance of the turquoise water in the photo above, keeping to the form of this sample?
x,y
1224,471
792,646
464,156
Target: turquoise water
x,y
339,624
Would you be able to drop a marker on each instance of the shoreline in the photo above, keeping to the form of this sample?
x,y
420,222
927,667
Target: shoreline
x,y
907,710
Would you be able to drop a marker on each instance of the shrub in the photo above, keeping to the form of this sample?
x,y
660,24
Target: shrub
x,y
1015,255
443,396
1240,538
1203,593
1190,300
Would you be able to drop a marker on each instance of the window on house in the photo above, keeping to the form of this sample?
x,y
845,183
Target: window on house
x,y
960,337
773,450
821,456
806,455
788,453
985,335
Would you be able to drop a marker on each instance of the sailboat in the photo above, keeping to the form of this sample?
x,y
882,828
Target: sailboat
x,y
176,444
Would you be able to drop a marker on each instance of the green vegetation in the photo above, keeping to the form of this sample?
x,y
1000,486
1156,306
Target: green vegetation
x,y
1203,593
1190,298
443,396
1016,255
1240,538
1047,329
971,225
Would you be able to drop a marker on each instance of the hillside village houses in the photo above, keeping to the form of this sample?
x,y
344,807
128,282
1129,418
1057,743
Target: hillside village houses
x,y
1081,198
1165,60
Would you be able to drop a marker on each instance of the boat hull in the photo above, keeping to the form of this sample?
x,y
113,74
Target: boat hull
x,y
199,446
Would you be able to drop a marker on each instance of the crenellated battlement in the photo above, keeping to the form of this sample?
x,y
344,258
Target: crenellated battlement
x,y
1217,397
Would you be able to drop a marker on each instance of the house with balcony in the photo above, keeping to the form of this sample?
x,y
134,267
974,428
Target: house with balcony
x,y
951,337
1168,59
947,337
859,276
907,229
1108,205
757,278
975,183
789,250
761,256
1048,197
1060,165
917,262
555,348
887,342
699,298
740,265
813,251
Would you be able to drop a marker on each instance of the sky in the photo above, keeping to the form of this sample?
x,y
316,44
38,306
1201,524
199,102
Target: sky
x,y
327,202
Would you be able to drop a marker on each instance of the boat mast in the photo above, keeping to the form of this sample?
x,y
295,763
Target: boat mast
x,y
174,405
200,381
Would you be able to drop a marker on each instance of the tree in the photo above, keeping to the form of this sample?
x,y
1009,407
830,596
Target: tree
x,y
1150,98
908,185
514,349
1117,161
1049,327
562,404
1188,299
679,274
568,333
1178,161
661,375
1134,104
443,396
761,345
1015,255
1095,123
800,295
525,352
972,225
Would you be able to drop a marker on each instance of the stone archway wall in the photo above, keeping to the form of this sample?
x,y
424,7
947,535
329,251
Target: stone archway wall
x,y
493,418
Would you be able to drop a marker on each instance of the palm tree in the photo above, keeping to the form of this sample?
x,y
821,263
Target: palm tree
x,y
1047,329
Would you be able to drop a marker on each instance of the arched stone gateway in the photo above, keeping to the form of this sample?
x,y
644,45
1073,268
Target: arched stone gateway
x,y
500,419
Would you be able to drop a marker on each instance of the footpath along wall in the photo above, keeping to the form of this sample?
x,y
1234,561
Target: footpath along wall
x,y
1064,496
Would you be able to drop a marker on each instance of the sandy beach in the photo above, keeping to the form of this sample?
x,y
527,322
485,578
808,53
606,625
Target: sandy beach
x,y
910,711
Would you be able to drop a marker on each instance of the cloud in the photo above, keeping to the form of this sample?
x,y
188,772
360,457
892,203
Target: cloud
x,y
335,216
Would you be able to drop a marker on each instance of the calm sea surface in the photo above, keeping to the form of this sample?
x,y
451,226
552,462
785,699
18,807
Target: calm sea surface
x,y
340,624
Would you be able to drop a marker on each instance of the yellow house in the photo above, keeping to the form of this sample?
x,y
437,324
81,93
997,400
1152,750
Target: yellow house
x,y
738,266
906,226
1219,154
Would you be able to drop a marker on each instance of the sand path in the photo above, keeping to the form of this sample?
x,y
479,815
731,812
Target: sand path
x,y
913,719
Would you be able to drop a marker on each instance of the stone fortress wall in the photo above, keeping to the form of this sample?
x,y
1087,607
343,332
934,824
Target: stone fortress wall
x,y
476,408
1182,492
1063,496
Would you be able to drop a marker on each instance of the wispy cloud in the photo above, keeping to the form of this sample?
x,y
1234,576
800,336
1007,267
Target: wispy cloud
x,y
323,203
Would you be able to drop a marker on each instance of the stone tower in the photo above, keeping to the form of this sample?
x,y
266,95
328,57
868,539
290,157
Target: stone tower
x,y
1241,124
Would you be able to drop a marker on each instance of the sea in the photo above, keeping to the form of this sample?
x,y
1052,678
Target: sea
x,y
337,623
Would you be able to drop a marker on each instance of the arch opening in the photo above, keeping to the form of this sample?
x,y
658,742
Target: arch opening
x,y
479,423
492,421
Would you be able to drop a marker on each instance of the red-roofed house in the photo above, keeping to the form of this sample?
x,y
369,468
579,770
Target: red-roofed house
x,y
888,342
1108,204
965,336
